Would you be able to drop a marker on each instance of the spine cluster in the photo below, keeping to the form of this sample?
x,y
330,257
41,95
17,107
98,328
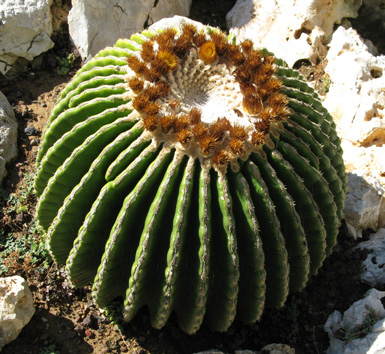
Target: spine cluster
x,y
220,141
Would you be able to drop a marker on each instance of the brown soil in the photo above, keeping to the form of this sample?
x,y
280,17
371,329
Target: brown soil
x,y
67,320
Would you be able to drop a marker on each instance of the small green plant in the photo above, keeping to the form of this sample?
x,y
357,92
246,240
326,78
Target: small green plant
x,y
18,203
326,83
22,243
114,312
359,331
65,64
51,349
27,250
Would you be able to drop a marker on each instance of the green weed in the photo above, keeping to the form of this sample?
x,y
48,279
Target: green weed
x,y
51,349
65,64
19,252
326,83
22,243
359,331
18,203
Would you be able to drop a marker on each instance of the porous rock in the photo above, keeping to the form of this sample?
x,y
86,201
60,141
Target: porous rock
x,y
25,30
16,308
277,348
356,78
357,103
88,18
373,266
8,135
347,331
364,204
293,29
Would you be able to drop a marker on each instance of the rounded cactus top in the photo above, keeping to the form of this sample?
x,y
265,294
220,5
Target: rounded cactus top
x,y
208,97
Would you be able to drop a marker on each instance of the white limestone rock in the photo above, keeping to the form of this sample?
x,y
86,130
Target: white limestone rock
x,y
8,135
374,265
25,31
364,316
96,24
275,348
356,101
166,8
364,204
16,308
291,29
356,78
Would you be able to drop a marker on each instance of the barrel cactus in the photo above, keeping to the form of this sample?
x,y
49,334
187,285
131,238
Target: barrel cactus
x,y
186,171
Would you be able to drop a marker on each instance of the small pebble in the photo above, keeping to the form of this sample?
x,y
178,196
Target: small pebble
x,y
35,142
31,131
88,333
44,336
87,321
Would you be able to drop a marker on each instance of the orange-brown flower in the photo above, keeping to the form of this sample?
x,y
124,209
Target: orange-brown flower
x,y
169,59
207,52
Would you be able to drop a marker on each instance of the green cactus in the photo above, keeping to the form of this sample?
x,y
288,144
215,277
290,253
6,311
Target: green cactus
x,y
188,173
